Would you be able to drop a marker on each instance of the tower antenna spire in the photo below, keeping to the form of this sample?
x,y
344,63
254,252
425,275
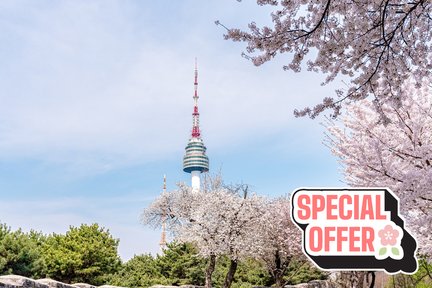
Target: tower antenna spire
x,y
196,133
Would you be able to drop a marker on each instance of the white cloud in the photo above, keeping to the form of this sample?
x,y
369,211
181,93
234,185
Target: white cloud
x,y
89,85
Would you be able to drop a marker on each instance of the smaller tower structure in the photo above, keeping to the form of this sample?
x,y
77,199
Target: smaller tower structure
x,y
195,160
163,241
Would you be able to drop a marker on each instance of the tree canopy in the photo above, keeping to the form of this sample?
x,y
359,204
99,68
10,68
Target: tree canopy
x,y
20,252
140,271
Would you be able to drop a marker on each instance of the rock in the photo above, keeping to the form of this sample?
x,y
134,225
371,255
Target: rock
x,y
54,284
314,284
15,281
83,285
182,286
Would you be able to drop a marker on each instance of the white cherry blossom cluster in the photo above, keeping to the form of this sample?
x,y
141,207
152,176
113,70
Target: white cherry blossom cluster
x,y
378,44
279,240
224,220
395,154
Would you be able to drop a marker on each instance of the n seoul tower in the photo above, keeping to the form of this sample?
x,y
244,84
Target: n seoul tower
x,y
195,161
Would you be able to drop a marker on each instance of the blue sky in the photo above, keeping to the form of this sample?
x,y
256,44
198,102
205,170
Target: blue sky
x,y
96,102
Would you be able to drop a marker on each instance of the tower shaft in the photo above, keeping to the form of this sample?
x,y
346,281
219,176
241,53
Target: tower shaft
x,y
196,179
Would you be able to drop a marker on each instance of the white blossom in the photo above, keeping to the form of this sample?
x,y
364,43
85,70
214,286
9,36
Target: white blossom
x,y
378,44
226,220
395,153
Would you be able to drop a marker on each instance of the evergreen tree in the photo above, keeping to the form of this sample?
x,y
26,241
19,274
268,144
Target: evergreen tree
x,y
140,271
250,273
84,254
303,272
180,264
20,253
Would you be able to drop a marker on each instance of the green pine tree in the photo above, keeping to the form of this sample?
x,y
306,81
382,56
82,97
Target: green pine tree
x,y
180,264
84,254
20,253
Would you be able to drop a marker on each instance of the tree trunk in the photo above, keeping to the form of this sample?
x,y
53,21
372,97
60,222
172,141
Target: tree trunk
x,y
279,281
230,275
209,271
279,270
372,282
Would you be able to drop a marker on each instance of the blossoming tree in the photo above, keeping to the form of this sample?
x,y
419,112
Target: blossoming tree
x,y
218,220
176,209
397,155
378,44
231,221
279,240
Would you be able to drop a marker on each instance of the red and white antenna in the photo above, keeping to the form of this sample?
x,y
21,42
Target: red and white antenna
x,y
195,115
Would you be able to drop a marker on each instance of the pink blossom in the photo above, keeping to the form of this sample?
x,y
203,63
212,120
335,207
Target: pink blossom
x,y
388,236
397,155
376,44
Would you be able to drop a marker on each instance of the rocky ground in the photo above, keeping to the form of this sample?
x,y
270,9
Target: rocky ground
x,y
15,281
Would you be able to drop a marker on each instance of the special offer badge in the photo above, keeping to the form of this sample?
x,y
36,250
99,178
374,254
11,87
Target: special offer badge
x,y
354,229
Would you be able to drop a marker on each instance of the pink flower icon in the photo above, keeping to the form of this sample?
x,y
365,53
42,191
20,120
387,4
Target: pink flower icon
x,y
388,236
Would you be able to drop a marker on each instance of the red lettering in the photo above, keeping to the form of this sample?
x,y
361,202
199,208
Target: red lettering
x,y
379,216
331,207
303,209
353,239
328,237
318,205
368,238
344,213
341,237
367,208
315,239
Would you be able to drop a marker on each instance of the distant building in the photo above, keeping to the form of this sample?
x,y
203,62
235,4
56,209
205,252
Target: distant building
x,y
163,240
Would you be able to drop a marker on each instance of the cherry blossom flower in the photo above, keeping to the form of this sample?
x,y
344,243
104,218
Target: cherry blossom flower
x,y
376,44
396,153
388,236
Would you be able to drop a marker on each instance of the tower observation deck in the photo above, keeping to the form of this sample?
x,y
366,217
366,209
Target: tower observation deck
x,y
195,160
